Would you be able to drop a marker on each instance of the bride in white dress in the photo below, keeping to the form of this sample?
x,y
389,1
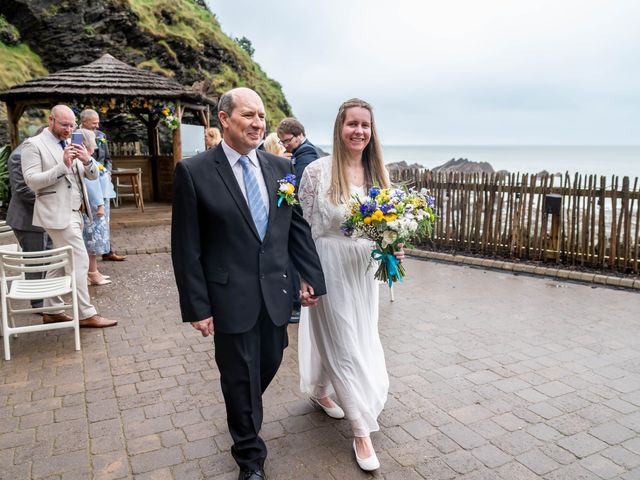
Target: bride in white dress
x,y
339,346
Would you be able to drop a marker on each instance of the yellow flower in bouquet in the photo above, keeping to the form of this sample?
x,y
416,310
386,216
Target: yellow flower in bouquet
x,y
390,217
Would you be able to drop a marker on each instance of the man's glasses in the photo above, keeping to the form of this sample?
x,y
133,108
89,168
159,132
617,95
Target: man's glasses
x,y
64,125
286,141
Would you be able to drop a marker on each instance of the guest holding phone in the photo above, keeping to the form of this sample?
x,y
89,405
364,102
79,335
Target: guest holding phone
x,y
55,170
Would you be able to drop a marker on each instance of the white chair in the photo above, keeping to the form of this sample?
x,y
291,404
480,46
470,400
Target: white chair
x,y
21,289
7,232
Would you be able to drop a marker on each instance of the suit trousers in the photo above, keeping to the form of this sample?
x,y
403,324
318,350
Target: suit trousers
x,y
72,235
248,362
33,242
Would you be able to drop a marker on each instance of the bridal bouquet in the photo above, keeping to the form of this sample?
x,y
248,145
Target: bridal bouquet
x,y
389,217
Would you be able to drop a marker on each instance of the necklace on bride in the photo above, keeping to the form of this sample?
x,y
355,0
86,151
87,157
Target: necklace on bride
x,y
356,175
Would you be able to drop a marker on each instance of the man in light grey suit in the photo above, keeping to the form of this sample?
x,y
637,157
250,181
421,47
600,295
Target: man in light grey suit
x,y
55,170
20,215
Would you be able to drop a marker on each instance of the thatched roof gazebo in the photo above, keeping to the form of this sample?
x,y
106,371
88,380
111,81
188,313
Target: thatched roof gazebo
x,y
108,84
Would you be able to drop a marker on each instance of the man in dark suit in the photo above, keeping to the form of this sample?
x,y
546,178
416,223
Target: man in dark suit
x,y
230,246
90,120
20,215
301,151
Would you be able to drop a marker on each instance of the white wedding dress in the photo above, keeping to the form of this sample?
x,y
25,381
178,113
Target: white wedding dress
x,y
339,347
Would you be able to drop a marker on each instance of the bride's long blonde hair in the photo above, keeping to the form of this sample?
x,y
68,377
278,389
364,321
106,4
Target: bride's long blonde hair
x,y
374,171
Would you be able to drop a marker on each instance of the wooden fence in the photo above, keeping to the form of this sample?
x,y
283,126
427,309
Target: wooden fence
x,y
596,224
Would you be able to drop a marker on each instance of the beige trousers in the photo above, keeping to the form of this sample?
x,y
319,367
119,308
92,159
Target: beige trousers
x,y
72,235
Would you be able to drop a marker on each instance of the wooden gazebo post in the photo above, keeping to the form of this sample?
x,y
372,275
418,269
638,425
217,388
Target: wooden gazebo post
x,y
14,112
177,135
154,153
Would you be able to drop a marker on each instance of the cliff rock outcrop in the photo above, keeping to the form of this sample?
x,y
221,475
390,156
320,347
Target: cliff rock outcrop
x,y
178,38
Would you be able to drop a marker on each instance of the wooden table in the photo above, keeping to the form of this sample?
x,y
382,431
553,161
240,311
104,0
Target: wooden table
x,y
135,177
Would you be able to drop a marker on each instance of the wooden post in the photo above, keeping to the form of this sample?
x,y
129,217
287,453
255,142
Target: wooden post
x,y
177,135
553,206
14,112
154,152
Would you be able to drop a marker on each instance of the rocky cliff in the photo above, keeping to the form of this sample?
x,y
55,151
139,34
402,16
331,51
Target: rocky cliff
x,y
178,38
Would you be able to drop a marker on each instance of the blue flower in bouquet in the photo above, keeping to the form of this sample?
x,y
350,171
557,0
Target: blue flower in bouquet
x,y
390,217
367,209
385,208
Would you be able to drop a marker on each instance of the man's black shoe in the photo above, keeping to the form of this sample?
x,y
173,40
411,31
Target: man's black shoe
x,y
252,475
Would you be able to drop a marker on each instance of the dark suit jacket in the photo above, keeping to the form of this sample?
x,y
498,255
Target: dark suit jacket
x,y
222,268
101,153
20,211
303,156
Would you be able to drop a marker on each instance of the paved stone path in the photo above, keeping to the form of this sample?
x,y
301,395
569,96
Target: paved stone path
x,y
493,376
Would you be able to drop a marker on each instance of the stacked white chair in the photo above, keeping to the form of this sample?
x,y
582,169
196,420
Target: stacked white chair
x,y
14,287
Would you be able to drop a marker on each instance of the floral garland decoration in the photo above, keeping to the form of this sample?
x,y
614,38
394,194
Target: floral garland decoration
x,y
136,105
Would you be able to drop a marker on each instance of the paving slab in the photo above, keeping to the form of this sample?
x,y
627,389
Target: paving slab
x,y
493,375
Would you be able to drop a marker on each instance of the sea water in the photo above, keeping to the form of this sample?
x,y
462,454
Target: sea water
x,y
587,160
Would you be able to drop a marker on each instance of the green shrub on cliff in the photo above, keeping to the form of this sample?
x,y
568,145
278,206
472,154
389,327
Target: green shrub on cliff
x,y
187,21
19,64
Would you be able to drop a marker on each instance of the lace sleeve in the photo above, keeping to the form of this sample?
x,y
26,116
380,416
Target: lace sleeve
x,y
308,195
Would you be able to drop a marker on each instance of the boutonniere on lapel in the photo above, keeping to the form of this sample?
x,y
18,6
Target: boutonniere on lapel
x,y
287,189
101,140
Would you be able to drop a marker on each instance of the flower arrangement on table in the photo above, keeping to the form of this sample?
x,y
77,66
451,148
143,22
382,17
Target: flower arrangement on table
x,y
389,217
286,190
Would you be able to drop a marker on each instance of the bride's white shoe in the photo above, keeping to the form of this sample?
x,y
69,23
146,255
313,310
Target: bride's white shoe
x,y
368,464
333,412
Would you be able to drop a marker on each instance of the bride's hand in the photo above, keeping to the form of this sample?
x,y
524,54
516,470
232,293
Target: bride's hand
x,y
400,253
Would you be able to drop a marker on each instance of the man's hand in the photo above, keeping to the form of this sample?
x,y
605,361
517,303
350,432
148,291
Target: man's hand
x,y
307,298
69,155
81,153
204,326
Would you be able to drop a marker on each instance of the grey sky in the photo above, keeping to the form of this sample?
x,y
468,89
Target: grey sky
x,y
454,72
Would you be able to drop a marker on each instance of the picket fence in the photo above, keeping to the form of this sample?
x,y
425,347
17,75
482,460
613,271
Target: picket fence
x,y
580,220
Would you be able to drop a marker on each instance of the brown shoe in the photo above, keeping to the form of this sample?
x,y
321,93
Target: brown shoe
x,y
56,317
96,321
112,257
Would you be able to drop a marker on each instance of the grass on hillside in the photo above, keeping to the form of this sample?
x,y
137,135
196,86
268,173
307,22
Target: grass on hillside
x,y
19,64
188,22
153,66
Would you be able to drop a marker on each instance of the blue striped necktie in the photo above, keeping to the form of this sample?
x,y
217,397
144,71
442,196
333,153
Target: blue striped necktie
x,y
254,197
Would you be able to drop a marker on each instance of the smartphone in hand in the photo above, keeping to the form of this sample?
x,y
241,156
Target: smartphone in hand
x,y
76,138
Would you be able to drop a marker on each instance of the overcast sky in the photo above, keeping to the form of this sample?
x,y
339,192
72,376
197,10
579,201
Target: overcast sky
x,y
520,72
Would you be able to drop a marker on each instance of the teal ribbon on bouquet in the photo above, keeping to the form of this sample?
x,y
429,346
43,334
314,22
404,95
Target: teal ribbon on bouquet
x,y
390,262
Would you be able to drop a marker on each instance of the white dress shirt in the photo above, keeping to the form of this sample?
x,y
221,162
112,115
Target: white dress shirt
x,y
236,166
